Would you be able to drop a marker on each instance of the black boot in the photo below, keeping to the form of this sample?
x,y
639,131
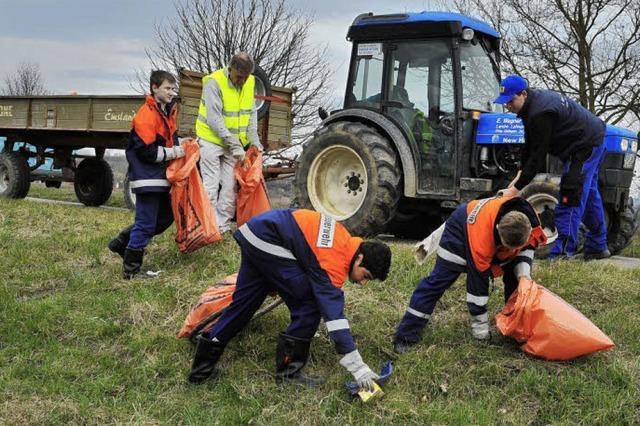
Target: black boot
x,y
132,263
208,353
291,356
597,255
119,244
401,346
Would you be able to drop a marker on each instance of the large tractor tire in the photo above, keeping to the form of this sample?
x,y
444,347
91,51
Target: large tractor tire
x,y
622,226
129,195
350,171
93,182
14,175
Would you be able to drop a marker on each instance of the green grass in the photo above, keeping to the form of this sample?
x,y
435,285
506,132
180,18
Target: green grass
x,y
80,345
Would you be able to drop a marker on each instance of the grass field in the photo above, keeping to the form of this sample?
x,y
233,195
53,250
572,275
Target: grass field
x,y
80,345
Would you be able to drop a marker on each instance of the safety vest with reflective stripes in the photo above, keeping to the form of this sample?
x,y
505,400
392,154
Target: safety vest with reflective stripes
x,y
481,222
330,241
237,106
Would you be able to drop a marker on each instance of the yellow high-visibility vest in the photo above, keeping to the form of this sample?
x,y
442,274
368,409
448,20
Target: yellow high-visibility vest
x,y
237,106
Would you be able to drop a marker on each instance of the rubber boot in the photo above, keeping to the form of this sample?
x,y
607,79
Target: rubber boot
x,y
292,354
132,263
208,353
401,346
598,255
119,244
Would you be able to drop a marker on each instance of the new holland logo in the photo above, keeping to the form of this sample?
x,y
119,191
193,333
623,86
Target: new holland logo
x,y
326,231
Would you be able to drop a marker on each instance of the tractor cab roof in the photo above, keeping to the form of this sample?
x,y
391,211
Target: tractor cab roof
x,y
415,25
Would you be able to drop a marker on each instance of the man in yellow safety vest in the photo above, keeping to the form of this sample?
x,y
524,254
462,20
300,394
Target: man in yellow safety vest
x,y
226,126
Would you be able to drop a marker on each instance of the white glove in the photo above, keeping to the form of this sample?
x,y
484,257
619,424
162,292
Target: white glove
x,y
173,153
258,145
234,145
429,245
480,327
361,372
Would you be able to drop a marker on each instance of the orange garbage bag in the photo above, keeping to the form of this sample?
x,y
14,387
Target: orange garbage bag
x,y
212,301
547,326
195,222
252,195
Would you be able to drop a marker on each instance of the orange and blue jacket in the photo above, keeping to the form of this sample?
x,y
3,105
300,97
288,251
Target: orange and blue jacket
x,y
321,247
152,130
471,239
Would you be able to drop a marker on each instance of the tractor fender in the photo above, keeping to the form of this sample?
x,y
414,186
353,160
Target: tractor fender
x,y
408,153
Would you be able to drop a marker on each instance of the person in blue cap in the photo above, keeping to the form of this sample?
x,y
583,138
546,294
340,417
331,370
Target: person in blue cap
x,y
557,125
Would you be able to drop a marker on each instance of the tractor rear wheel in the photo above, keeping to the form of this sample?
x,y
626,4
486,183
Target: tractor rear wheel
x,y
350,172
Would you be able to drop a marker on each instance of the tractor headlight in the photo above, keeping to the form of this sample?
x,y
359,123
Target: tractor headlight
x,y
634,146
467,34
629,160
624,144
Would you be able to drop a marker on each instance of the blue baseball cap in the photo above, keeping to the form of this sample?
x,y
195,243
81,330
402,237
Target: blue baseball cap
x,y
510,86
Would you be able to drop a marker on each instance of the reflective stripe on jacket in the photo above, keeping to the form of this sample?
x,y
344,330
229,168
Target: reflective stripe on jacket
x,y
330,241
294,236
151,131
486,252
237,106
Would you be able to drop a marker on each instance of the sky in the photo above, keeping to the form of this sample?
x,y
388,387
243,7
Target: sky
x,y
96,47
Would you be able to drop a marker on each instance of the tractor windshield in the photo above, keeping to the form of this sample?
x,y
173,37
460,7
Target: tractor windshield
x,y
480,82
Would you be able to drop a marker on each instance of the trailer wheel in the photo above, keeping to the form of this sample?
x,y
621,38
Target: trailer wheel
x,y
350,171
129,196
93,182
14,175
262,88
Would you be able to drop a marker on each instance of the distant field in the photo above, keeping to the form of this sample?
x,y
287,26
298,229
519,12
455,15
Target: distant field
x,y
80,345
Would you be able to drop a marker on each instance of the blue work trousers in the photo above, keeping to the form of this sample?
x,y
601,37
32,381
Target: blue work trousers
x,y
589,211
261,273
430,290
153,217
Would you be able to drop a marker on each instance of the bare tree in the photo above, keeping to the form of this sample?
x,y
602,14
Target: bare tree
x,y
586,49
25,81
205,34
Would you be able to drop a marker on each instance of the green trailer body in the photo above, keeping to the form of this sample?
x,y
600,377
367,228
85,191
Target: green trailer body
x,y
55,127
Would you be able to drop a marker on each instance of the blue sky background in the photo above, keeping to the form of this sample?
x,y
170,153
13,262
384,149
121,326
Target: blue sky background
x,y
95,47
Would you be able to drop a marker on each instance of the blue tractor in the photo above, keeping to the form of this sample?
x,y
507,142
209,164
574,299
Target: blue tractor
x,y
419,133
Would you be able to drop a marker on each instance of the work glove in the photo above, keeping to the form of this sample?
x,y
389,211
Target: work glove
x,y
258,145
234,145
361,372
480,327
173,153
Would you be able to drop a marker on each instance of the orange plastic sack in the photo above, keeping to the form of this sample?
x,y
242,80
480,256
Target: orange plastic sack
x,y
213,300
195,222
252,195
547,326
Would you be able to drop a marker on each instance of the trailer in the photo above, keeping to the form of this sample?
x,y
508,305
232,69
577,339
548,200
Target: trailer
x,y
40,129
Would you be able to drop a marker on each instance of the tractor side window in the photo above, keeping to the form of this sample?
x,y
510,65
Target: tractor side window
x,y
368,71
480,84
422,91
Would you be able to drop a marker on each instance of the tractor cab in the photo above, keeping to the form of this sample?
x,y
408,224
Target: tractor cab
x,y
419,134
425,72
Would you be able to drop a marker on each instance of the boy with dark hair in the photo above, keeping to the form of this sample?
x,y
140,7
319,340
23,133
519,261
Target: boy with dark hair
x,y
305,257
153,142
484,238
